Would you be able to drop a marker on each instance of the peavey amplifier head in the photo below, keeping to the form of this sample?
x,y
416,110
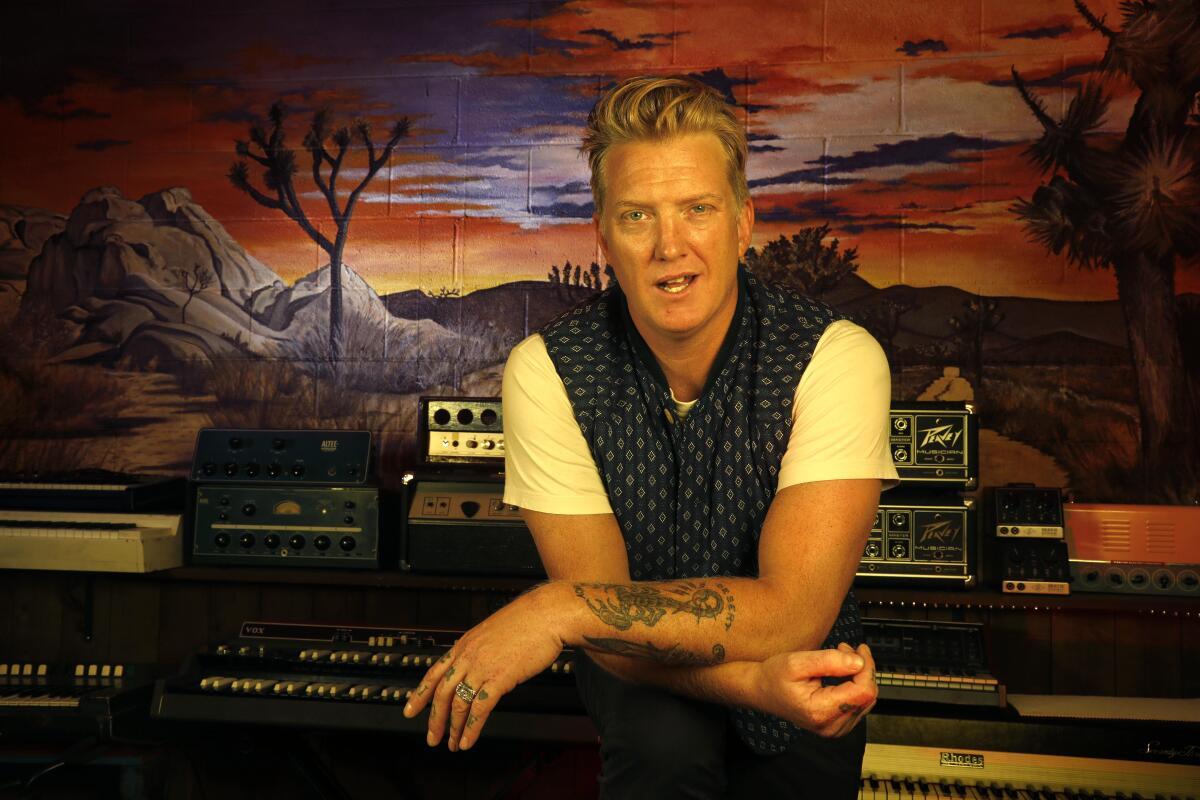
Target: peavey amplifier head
x,y
461,430
928,541
935,444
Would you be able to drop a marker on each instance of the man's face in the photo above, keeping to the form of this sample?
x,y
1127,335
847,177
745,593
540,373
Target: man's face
x,y
674,233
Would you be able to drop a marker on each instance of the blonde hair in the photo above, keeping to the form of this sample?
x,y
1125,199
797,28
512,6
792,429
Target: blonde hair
x,y
652,108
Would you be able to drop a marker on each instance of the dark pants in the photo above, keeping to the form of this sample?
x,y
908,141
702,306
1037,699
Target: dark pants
x,y
654,744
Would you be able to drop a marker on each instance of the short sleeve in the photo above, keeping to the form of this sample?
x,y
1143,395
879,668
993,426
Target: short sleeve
x,y
840,419
547,463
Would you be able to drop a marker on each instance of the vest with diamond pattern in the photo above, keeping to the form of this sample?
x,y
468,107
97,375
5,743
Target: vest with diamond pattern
x,y
691,494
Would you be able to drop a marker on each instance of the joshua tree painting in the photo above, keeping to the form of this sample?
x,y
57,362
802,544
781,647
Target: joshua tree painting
x,y
279,167
1133,206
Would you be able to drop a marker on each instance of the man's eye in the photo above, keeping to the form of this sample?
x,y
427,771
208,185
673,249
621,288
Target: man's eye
x,y
635,216
701,208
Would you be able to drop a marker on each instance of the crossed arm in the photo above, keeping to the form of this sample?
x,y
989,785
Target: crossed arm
x,y
744,641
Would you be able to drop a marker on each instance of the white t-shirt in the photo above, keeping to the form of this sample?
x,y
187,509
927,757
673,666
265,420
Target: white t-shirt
x,y
840,425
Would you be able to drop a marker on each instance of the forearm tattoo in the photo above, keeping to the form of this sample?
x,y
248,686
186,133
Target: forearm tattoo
x,y
621,605
673,656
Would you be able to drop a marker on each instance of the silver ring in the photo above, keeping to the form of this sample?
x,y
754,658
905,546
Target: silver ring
x,y
465,692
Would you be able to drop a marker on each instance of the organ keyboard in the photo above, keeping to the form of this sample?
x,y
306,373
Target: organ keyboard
x,y
88,541
59,701
351,678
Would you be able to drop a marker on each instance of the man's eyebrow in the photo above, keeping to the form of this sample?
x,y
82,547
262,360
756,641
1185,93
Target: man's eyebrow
x,y
708,197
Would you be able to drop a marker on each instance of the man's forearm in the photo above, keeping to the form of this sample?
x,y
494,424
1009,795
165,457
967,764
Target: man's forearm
x,y
689,623
730,684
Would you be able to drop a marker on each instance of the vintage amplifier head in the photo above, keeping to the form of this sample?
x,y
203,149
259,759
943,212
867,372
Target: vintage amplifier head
x,y
1139,549
461,430
285,526
921,540
935,444
1024,512
282,457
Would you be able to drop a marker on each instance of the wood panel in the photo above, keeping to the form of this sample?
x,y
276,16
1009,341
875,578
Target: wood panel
x,y
390,609
229,606
136,607
1020,650
1147,656
1189,656
282,603
183,621
37,613
1083,647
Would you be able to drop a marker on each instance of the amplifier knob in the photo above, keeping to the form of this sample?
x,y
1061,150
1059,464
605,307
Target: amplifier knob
x,y
248,509
488,417
346,543
348,519
441,416
274,469
1189,580
235,443
252,470
1091,576
231,469
246,540
465,416
488,444
297,470
471,443
271,540
321,543
470,508
349,504
208,468
278,444
296,542
1116,579
221,539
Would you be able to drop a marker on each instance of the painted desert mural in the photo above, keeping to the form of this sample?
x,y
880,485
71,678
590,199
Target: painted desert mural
x,y
309,214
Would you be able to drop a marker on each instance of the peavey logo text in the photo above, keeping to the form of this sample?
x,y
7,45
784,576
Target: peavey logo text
x,y
961,760
946,436
329,445
942,531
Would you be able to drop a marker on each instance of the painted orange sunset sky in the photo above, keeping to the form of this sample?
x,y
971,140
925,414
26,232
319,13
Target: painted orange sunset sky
x,y
896,123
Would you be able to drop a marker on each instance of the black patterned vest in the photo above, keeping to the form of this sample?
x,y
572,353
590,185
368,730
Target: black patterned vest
x,y
691,494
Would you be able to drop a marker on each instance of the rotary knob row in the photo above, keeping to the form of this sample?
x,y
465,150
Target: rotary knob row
x,y
272,541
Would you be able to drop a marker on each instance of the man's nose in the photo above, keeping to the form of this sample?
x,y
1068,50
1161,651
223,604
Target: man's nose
x,y
668,244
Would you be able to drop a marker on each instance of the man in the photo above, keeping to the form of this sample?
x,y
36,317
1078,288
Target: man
x,y
699,458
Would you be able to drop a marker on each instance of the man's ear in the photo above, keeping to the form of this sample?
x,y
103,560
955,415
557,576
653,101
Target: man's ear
x,y
745,226
600,237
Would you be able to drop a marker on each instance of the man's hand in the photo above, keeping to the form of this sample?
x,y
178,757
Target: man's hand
x,y
510,646
790,687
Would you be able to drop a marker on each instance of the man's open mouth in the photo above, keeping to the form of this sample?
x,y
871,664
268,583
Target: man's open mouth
x,y
676,285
